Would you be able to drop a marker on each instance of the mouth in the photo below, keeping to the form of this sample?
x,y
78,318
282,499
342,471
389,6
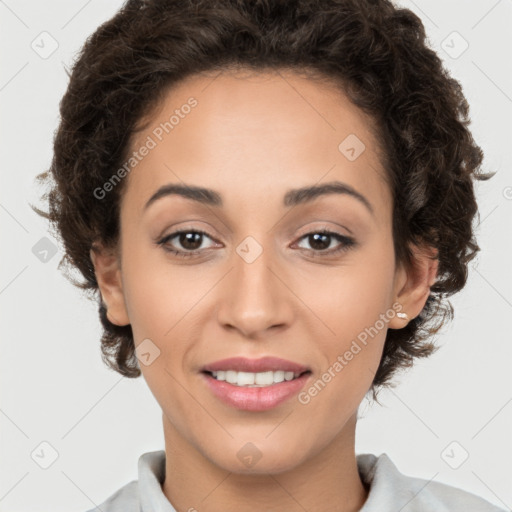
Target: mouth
x,y
255,379
255,384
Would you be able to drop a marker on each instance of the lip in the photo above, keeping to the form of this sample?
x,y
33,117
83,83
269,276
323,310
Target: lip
x,y
255,399
264,364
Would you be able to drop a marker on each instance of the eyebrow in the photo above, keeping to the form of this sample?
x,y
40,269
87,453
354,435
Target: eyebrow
x,y
291,198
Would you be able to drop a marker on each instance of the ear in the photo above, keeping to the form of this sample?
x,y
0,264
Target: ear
x,y
108,275
412,283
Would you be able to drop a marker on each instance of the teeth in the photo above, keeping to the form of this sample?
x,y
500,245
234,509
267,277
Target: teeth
x,y
254,380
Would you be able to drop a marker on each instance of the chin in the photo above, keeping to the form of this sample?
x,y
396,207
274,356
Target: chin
x,y
252,459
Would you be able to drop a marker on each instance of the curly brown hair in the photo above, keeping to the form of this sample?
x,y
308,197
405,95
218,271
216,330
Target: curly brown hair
x,y
375,52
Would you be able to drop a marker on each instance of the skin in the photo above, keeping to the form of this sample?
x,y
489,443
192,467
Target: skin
x,y
251,138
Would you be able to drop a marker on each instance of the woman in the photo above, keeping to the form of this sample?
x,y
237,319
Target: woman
x,y
273,201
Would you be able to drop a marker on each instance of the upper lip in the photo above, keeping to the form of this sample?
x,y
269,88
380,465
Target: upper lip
x,y
264,364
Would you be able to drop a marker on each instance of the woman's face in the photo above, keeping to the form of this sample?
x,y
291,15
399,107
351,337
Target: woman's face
x,y
262,281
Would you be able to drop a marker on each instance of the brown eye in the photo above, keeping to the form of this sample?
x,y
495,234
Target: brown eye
x,y
191,241
321,240
188,242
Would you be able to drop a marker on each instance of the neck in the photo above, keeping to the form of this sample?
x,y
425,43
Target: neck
x,y
327,481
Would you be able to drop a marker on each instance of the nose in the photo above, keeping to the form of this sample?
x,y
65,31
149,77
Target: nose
x,y
254,297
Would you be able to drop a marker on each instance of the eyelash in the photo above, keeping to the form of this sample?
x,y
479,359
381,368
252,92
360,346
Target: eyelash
x,y
346,243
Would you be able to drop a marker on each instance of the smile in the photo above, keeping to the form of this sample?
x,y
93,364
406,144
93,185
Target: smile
x,y
251,379
255,397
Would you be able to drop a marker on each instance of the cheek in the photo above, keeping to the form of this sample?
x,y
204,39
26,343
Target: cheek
x,y
354,304
351,350
164,305
351,297
157,293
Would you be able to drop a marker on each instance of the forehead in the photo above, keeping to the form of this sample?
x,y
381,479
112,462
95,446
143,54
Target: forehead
x,y
255,132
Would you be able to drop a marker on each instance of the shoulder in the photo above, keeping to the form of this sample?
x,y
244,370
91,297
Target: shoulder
x,y
391,490
145,493
126,499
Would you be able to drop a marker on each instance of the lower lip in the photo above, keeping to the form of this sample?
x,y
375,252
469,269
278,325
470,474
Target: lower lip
x,y
255,399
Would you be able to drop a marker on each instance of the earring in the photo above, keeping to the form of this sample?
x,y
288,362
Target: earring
x,y
403,315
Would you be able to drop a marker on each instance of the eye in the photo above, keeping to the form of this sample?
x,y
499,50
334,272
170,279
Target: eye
x,y
191,241
320,240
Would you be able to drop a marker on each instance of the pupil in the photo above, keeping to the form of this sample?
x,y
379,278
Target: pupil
x,y
316,237
187,239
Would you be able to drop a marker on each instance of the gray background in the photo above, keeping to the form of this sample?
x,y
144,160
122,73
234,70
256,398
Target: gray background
x,y
55,388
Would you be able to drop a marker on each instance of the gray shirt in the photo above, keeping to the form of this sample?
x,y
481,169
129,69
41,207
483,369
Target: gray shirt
x,y
390,490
